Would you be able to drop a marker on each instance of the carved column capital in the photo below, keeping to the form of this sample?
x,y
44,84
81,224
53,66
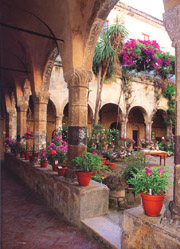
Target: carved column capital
x,y
41,98
78,77
171,20
23,106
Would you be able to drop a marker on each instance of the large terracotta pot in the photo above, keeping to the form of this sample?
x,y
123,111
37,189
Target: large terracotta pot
x,y
104,160
84,178
44,164
61,170
152,204
28,154
55,165
22,154
111,165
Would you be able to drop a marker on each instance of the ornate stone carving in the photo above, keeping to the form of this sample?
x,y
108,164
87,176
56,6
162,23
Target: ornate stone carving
x,y
48,70
171,19
27,88
41,97
78,77
23,105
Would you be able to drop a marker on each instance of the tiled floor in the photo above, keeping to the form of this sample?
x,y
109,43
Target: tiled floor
x,y
28,224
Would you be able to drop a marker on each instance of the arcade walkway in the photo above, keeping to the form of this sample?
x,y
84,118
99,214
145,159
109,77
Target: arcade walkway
x,y
28,224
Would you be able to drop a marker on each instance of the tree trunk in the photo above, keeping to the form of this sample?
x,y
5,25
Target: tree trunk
x,y
101,79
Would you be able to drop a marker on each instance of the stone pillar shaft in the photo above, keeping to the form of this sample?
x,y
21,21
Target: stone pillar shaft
x,y
59,122
40,121
148,130
12,124
22,121
123,128
177,134
78,84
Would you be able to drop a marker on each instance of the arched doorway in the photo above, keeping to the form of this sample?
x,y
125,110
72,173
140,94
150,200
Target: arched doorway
x,y
135,125
51,120
159,127
110,116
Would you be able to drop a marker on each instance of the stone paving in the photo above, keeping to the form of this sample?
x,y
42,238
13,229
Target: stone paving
x,y
28,224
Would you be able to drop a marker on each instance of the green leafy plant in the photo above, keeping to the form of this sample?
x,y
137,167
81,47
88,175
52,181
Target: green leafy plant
x,y
88,162
151,179
133,163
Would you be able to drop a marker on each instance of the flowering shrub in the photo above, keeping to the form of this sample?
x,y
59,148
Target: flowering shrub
x,y
151,179
112,156
126,141
144,141
28,135
10,143
146,56
57,152
42,156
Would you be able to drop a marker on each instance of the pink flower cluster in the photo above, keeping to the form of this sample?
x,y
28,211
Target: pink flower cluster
x,y
94,152
149,172
28,135
9,143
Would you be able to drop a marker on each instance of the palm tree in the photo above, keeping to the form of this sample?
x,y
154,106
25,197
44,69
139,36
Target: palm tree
x,y
106,58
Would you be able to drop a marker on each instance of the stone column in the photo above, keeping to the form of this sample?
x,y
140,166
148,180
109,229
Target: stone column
x,y
78,83
12,124
59,119
40,120
124,125
148,129
171,23
22,119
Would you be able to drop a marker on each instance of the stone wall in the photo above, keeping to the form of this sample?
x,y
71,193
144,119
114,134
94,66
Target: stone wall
x,y
142,231
62,195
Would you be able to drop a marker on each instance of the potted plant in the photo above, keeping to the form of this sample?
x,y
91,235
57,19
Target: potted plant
x,y
111,157
87,164
144,143
42,156
151,183
28,137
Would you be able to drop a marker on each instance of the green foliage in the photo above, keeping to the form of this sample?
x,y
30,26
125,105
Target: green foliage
x,y
133,163
88,162
154,178
108,48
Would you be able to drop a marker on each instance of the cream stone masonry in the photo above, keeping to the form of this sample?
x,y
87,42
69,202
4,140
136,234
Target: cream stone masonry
x,y
40,117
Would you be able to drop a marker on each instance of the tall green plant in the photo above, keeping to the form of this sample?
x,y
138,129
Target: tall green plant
x,y
107,51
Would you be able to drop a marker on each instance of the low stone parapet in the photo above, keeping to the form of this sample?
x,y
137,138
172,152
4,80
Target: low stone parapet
x,y
142,231
74,202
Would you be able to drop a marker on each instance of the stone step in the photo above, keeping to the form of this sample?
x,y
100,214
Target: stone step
x,y
104,230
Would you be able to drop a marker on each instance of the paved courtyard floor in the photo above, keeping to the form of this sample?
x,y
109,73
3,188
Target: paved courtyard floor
x,y
26,223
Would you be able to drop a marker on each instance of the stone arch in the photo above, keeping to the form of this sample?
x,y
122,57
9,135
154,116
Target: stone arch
x,y
108,114
51,119
159,126
136,128
48,69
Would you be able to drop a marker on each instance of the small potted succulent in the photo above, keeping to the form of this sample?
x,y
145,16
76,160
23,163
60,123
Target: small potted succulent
x,y
151,183
87,165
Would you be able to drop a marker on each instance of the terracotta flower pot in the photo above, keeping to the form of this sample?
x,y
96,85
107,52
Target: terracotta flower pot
x,y
144,146
104,160
61,171
28,154
84,178
111,165
152,204
22,154
44,164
